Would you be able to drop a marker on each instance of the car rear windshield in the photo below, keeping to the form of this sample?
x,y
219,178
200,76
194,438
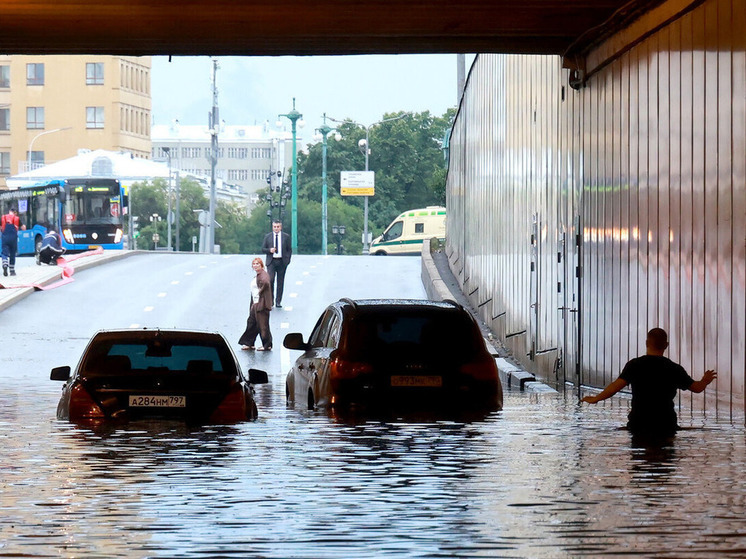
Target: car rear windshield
x,y
429,333
121,358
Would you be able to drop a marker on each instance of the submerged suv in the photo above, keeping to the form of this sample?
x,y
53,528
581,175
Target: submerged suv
x,y
389,351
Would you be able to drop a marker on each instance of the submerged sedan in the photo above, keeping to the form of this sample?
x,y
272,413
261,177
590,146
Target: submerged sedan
x,y
171,374
382,352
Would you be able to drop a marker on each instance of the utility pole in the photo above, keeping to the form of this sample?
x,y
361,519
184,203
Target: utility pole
x,y
214,128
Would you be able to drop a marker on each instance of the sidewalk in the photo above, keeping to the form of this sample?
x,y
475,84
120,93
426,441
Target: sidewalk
x,y
31,277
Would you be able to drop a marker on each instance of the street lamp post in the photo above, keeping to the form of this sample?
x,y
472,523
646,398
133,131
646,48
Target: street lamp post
x,y
294,116
40,134
167,151
324,130
214,129
364,146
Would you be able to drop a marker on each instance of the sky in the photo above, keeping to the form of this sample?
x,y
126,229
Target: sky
x,y
253,90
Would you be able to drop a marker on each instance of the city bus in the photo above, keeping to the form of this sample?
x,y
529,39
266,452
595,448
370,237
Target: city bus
x,y
88,213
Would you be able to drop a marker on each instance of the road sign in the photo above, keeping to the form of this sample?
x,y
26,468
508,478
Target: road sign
x,y
358,183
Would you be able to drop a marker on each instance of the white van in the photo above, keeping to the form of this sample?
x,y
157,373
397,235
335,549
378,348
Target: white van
x,y
407,232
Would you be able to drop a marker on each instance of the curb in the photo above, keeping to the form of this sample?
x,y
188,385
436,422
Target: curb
x,y
15,295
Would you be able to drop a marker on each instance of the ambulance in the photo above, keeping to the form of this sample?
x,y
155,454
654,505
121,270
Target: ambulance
x,y
407,232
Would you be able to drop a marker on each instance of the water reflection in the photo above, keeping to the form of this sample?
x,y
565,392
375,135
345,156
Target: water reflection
x,y
542,478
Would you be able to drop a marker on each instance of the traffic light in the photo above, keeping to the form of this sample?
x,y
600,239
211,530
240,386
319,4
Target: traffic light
x,y
135,232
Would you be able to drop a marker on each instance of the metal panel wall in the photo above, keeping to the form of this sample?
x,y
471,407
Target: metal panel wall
x,y
646,167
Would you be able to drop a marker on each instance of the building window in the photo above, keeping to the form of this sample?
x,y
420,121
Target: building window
x,y
4,76
261,153
238,174
94,73
36,160
4,162
238,153
34,74
5,119
191,153
35,118
94,117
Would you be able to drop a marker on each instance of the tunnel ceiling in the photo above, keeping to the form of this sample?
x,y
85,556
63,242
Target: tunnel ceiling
x,y
285,27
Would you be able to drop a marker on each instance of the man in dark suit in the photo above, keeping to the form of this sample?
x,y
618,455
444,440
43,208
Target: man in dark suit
x,y
277,247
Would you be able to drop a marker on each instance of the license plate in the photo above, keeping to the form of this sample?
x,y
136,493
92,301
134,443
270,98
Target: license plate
x,y
157,401
430,381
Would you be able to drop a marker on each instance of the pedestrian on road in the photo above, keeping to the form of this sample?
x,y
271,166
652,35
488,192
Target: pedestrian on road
x,y
10,225
261,304
655,380
277,247
51,248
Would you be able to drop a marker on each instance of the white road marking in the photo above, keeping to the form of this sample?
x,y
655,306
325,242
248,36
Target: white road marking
x,y
306,273
135,325
299,282
148,309
175,282
162,294
287,309
293,295
188,273
284,325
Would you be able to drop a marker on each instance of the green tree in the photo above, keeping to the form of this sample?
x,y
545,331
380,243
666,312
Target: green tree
x,y
407,156
148,198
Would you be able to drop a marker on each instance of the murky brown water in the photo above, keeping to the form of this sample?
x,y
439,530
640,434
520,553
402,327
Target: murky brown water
x,y
543,478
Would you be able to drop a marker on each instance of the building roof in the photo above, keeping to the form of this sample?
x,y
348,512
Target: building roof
x,y
96,163
160,133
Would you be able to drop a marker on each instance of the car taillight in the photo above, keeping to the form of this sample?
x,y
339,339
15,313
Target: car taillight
x,y
232,408
83,406
483,369
341,369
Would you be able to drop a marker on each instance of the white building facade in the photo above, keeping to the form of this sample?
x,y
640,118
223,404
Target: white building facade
x,y
247,155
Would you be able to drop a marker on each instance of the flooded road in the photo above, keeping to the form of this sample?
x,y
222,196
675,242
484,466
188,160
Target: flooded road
x,y
543,478
539,479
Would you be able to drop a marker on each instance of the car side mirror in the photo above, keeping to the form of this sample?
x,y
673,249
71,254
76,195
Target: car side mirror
x,y
295,341
257,376
60,373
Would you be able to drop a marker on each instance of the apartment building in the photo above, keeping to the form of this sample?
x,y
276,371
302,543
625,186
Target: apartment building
x,y
53,106
247,155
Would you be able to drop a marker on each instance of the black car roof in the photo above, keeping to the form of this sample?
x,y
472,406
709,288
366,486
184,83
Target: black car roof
x,y
414,303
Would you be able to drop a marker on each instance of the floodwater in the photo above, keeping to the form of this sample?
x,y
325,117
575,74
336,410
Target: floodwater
x,y
543,478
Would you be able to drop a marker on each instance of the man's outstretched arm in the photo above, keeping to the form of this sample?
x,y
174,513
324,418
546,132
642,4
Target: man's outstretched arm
x,y
699,385
607,392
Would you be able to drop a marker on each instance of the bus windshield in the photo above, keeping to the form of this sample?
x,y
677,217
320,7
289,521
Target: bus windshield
x,y
92,205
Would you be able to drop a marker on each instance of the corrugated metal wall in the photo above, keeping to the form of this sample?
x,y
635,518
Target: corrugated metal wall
x,y
579,219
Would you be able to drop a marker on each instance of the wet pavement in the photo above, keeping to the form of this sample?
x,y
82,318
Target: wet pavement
x,y
545,477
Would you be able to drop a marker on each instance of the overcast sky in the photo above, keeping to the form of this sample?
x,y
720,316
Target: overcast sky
x,y
252,90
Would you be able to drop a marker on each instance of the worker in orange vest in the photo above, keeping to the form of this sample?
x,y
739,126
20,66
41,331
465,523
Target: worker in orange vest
x,y
10,224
